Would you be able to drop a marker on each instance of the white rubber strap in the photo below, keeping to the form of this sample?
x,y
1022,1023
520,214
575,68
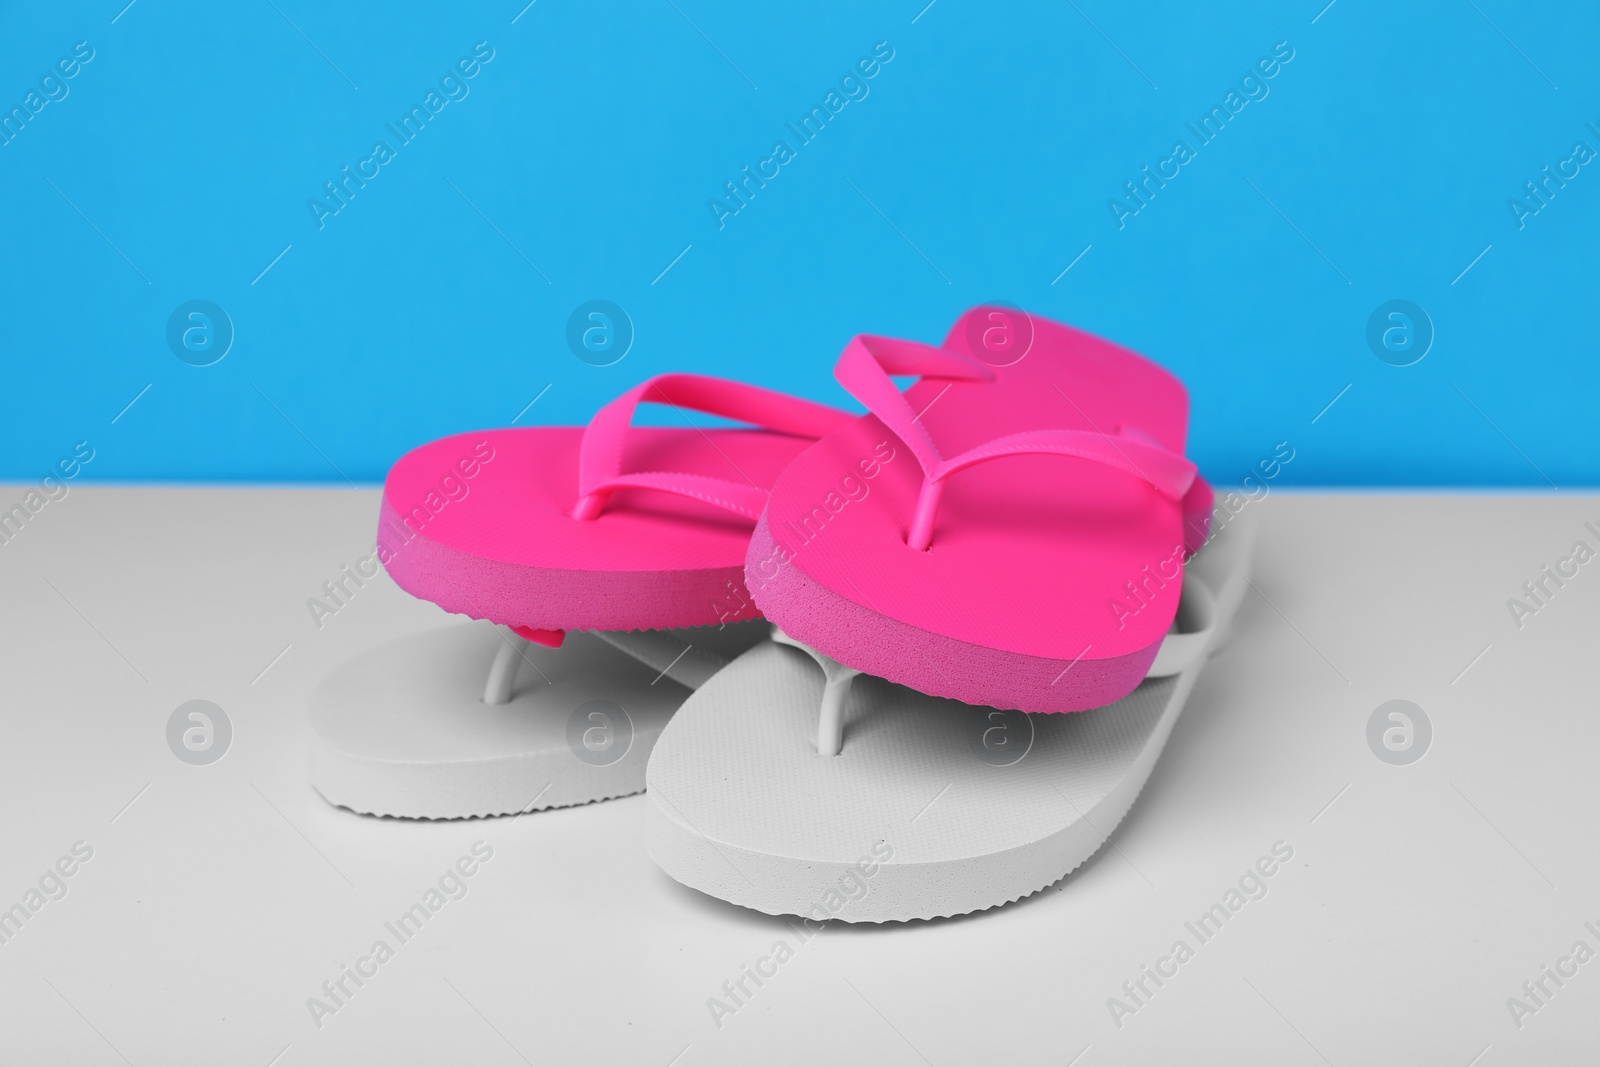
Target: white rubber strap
x,y
835,690
1192,631
503,671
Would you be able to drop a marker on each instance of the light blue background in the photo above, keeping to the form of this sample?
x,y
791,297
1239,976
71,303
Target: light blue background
x,y
988,149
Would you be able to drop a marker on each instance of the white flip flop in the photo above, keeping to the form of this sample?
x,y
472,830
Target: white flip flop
x,y
472,720
930,807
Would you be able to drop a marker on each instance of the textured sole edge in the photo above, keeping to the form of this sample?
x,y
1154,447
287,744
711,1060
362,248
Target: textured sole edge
x,y
405,817
552,599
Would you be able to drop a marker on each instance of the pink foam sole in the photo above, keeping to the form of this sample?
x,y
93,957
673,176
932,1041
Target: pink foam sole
x,y
932,663
550,597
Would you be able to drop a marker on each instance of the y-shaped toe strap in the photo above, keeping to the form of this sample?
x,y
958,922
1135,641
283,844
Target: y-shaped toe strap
x,y
600,455
864,369
835,691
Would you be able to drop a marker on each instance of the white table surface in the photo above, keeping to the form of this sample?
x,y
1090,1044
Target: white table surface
x,y
218,901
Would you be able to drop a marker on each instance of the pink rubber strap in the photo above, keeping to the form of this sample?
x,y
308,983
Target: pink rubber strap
x,y
600,454
864,369
1169,473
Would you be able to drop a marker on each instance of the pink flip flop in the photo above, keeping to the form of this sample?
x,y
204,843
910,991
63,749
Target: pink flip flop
x,y
637,535
1008,533
604,527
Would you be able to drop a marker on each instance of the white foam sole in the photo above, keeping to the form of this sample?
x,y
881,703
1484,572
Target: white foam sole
x,y
932,808
403,729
